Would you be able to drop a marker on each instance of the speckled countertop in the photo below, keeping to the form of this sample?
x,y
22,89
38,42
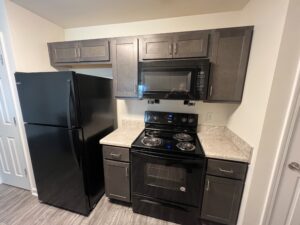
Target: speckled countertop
x,y
124,136
217,142
222,143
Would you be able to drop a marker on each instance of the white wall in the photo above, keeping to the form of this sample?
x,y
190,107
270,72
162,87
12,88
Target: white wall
x,y
30,34
26,36
246,119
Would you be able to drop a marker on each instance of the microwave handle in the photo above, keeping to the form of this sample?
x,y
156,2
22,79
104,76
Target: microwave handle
x,y
157,156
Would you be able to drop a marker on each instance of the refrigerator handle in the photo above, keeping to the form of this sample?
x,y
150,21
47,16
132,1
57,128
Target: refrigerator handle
x,y
75,156
71,102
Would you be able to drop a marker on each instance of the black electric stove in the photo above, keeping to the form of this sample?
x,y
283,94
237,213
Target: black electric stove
x,y
170,133
168,168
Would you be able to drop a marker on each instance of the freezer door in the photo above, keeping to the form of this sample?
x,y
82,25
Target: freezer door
x,y
48,98
56,155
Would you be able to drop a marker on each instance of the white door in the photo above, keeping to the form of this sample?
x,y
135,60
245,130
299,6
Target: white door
x,y
287,205
12,160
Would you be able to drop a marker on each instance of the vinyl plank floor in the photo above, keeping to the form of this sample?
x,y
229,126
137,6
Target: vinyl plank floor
x,y
19,207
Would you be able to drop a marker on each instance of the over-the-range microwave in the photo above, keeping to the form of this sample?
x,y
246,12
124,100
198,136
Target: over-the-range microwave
x,y
174,79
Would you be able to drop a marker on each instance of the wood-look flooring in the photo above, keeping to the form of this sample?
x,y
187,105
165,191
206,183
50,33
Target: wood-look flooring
x,y
19,207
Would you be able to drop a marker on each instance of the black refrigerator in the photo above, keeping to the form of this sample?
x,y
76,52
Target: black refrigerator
x,y
65,115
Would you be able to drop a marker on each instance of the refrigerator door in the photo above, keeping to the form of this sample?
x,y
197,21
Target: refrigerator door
x,y
48,98
56,155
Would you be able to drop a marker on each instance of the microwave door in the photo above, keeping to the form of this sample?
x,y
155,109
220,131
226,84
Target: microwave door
x,y
167,83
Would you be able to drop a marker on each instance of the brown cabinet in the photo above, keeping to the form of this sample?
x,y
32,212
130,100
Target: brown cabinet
x,y
125,67
116,172
223,191
63,52
117,180
79,52
177,45
230,49
94,50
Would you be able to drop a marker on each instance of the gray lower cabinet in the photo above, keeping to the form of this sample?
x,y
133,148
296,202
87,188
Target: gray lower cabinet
x,y
125,67
117,180
116,172
221,201
230,49
63,52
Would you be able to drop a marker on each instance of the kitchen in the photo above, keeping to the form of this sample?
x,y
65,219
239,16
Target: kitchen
x,y
247,119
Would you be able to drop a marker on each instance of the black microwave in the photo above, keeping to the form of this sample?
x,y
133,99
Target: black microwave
x,y
174,79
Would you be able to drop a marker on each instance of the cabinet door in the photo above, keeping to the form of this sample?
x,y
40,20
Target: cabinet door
x,y
221,200
125,67
117,180
229,58
63,52
94,50
157,47
190,44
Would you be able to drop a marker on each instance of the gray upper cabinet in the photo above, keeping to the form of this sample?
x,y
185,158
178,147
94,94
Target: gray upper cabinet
x,y
94,50
157,47
230,49
79,52
190,44
221,200
117,180
63,52
176,45
125,67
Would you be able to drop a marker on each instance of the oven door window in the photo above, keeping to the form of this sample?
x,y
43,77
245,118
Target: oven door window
x,y
166,81
167,177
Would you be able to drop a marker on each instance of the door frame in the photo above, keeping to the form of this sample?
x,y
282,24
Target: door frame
x,y
19,118
283,149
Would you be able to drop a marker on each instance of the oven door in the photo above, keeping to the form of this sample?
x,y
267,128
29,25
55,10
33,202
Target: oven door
x,y
169,178
168,83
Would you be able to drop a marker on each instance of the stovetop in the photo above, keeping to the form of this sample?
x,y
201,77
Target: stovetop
x,y
168,141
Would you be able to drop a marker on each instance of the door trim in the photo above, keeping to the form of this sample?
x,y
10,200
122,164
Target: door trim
x,y
19,118
283,149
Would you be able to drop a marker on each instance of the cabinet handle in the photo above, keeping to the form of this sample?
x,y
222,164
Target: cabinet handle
x,y
115,155
170,49
175,48
211,90
208,185
225,171
127,171
78,52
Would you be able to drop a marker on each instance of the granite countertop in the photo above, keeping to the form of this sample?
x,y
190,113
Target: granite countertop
x,y
222,143
217,142
124,136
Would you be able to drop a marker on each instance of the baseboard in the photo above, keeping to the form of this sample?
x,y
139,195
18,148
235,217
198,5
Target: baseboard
x,y
34,192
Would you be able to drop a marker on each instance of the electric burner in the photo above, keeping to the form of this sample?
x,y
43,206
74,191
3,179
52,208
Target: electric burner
x,y
182,137
152,133
186,146
151,141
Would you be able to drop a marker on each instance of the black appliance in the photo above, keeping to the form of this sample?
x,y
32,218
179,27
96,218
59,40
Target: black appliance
x,y
168,168
65,115
174,79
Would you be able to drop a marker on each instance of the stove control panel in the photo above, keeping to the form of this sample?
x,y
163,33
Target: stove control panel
x,y
168,118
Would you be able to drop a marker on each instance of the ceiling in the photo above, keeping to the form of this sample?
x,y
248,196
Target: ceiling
x,y
79,13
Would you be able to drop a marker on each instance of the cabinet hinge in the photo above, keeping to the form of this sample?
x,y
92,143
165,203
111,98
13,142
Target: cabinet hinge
x,y
1,60
25,172
15,121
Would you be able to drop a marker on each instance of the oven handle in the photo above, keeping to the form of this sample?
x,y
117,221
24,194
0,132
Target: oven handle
x,y
182,160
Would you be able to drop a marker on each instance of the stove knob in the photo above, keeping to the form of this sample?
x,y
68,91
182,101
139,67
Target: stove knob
x,y
191,120
183,119
155,118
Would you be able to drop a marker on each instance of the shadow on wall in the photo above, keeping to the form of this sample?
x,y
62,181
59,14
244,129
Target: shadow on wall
x,y
209,113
